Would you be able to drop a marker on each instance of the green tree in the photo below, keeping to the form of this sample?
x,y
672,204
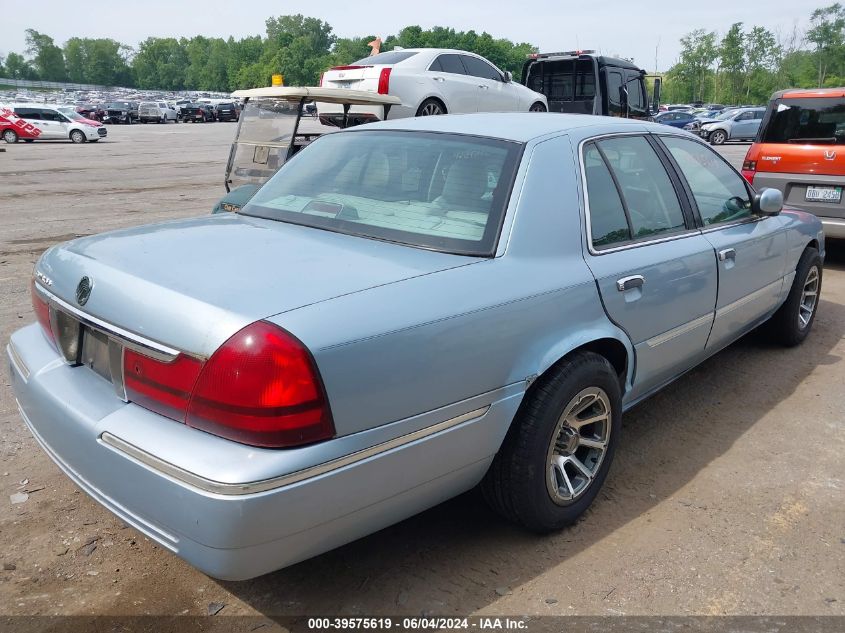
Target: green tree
x,y
245,53
18,68
47,58
762,55
97,61
298,47
732,63
689,77
826,34
160,64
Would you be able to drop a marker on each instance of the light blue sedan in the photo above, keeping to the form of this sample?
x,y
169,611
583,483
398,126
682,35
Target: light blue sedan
x,y
406,310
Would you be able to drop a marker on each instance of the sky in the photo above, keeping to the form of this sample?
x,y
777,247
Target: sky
x,y
638,30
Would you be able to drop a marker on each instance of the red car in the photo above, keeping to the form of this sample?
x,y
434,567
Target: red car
x,y
12,127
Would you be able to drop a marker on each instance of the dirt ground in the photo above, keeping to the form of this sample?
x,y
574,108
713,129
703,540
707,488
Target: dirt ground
x,y
727,495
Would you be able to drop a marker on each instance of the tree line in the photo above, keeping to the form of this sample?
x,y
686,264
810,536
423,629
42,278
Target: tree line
x,y
742,65
746,65
298,47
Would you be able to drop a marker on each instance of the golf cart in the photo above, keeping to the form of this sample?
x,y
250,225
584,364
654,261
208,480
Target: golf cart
x,y
277,122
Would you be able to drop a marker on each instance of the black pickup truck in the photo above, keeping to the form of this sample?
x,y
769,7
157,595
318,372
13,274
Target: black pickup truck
x,y
195,112
121,112
583,82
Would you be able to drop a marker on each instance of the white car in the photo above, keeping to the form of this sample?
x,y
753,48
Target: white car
x,y
434,81
156,112
53,124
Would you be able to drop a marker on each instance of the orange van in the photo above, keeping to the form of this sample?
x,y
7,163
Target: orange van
x,y
800,150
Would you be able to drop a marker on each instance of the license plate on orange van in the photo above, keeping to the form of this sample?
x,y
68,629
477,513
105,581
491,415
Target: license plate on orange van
x,y
823,194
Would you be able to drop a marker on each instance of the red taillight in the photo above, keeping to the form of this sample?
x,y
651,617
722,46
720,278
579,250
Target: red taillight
x,y
42,312
384,81
749,168
261,387
163,387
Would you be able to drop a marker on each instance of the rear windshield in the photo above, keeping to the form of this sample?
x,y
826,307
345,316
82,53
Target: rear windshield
x,y
444,192
806,120
392,57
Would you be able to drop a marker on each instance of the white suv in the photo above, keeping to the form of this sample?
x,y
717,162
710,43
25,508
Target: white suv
x,y
434,81
54,125
157,112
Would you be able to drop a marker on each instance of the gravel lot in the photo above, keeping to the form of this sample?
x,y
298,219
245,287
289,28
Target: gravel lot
x,y
727,495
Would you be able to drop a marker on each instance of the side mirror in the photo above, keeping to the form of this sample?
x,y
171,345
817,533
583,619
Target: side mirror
x,y
655,98
767,202
508,77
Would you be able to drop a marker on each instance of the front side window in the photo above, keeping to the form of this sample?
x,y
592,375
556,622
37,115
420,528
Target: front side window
x,y
720,193
614,84
745,116
443,192
479,68
636,97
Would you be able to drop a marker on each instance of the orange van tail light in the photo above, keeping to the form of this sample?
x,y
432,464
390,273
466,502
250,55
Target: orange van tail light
x,y
384,81
749,169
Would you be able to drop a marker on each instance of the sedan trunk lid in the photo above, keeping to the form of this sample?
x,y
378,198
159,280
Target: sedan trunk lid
x,y
191,284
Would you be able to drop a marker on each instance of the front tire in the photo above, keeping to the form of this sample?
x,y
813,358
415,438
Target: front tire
x,y
718,137
10,136
792,322
537,107
77,137
431,107
559,448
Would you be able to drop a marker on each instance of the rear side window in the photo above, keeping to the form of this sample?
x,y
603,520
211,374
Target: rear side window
x,y
806,120
450,64
625,172
720,193
608,223
28,113
391,57
479,68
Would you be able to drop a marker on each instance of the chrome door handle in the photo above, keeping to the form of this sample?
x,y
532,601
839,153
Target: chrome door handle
x,y
626,283
440,79
483,87
728,253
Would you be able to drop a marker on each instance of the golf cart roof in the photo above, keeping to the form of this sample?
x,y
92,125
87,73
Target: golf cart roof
x,y
324,95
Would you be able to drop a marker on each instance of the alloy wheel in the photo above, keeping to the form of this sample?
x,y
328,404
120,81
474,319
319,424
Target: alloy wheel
x,y
809,297
431,109
578,445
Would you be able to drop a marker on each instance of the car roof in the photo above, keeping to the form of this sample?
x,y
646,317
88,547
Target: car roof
x,y
797,93
35,104
514,126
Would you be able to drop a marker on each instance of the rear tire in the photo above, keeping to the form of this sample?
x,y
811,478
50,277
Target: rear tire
x,y
792,322
537,107
552,464
431,107
10,136
77,137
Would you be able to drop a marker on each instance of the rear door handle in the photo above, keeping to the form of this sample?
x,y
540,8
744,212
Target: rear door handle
x,y
440,79
483,87
728,253
626,283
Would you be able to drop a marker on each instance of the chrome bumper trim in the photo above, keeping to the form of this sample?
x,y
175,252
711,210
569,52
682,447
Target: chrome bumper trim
x,y
131,340
209,485
17,360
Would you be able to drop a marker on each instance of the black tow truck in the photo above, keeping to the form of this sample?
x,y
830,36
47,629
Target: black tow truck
x,y
583,82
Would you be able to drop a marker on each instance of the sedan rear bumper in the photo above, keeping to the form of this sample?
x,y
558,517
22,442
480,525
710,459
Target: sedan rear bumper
x,y
227,523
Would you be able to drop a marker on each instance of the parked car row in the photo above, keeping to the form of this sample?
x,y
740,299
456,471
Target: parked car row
x,y
717,127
